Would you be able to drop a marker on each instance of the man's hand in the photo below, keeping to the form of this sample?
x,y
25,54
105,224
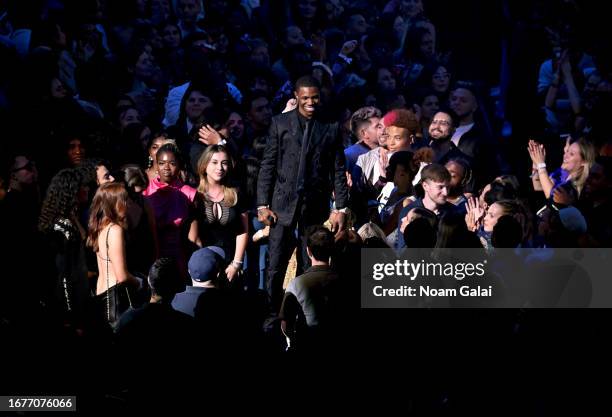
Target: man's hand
x,y
349,47
209,136
383,161
291,104
338,221
563,197
267,216
349,180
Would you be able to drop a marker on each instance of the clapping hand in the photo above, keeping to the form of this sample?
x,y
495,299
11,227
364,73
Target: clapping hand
x,y
537,152
474,215
383,161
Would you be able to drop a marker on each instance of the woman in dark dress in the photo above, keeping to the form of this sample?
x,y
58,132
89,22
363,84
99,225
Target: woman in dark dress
x,y
222,218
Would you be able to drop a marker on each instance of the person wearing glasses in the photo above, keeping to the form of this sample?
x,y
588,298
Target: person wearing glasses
x,y
20,208
440,132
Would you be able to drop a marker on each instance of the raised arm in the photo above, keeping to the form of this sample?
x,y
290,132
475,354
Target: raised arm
x,y
540,178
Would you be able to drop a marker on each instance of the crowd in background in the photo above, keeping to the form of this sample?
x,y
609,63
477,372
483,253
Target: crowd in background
x,y
134,133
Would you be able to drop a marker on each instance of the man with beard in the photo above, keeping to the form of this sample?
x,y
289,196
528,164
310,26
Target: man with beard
x,y
440,131
471,138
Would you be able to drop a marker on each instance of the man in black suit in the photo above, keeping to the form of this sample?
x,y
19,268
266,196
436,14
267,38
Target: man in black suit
x,y
304,157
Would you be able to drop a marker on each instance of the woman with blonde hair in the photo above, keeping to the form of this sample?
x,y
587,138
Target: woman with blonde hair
x,y
221,215
578,157
106,236
371,231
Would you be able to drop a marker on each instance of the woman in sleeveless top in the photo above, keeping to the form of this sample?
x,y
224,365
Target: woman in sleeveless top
x,y
106,236
223,220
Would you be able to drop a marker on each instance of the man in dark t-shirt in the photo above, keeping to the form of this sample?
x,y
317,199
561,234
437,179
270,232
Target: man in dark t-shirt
x,y
435,180
310,305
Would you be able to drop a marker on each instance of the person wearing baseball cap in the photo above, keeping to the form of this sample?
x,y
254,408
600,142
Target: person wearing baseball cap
x,y
204,267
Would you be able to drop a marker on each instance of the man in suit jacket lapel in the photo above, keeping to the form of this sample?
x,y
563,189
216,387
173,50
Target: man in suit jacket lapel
x,y
279,202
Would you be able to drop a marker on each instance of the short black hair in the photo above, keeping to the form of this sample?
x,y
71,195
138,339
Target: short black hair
x,y
320,241
420,233
88,167
307,81
164,278
451,114
499,192
249,97
507,233
406,160
173,149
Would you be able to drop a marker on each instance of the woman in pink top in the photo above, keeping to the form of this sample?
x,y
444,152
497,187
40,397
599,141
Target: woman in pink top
x,y
172,203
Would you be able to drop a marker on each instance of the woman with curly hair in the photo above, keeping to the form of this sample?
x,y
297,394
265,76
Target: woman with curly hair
x,y
106,236
59,223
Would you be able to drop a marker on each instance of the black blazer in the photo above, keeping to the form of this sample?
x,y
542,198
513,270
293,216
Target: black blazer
x,y
325,169
484,155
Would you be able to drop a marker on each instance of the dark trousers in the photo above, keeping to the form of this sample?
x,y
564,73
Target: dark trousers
x,y
282,242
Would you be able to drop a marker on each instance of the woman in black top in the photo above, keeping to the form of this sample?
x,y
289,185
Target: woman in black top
x,y
222,219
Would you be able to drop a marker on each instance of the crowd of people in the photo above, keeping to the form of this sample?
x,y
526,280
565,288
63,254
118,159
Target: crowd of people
x,y
211,169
